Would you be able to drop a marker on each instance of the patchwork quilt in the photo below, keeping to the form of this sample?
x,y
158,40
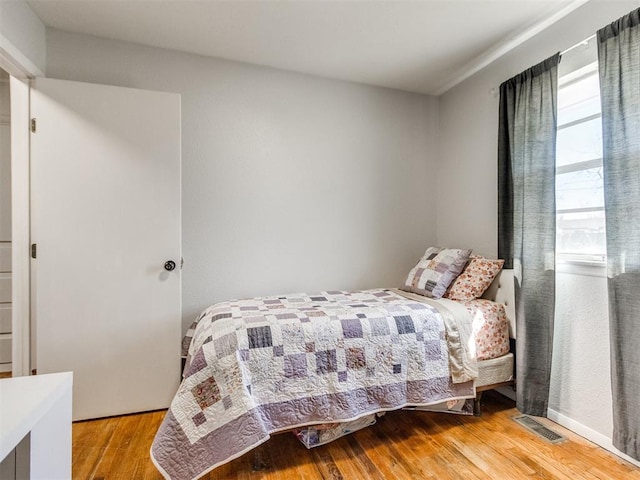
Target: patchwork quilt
x,y
264,365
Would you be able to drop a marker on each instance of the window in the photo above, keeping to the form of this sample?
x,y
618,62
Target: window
x,y
580,216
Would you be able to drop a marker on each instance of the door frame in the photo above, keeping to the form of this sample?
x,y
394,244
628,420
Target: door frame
x,y
22,70
20,230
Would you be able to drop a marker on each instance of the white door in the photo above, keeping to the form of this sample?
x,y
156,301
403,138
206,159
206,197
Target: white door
x,y
105,218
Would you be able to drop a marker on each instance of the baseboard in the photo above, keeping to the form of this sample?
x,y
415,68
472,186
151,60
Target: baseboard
x,y
5,367
590,434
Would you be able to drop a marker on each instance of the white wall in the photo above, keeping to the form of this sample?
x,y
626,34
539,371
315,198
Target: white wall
x,y
290,182
467,209
22,37
581,369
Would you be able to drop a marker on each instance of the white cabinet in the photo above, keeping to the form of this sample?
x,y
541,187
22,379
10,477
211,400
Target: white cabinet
x,y
38,409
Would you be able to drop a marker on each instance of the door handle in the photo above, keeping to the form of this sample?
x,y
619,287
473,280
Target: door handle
x,y
169,265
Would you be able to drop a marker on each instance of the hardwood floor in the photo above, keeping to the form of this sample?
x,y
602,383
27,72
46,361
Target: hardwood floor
x,y
402,445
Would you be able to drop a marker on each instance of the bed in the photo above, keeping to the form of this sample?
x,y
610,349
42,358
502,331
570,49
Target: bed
x,y
260,366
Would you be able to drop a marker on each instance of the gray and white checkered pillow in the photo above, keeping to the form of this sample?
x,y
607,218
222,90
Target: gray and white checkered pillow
x,y
435,271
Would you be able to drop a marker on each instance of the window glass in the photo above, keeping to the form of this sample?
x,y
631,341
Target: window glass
x,y
579,143
578,100
581,233
579,189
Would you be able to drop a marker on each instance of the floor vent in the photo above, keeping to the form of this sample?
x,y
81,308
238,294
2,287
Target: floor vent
x,y
536,427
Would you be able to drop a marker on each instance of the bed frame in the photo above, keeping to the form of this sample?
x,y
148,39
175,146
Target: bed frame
x,y
499,372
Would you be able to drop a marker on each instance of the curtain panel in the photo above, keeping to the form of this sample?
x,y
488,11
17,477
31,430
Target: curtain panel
x,y
619,67
527,221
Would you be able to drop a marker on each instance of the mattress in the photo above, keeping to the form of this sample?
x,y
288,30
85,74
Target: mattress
x,y
495,370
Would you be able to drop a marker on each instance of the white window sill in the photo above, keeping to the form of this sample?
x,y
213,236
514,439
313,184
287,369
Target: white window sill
x,y
582,267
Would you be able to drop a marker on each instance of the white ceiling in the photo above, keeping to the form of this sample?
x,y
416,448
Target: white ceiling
x,y
419,46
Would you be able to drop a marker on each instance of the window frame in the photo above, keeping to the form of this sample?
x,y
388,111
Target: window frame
x,y
581,263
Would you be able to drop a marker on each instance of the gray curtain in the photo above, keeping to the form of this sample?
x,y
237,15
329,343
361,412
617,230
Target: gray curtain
x,y
527,221
619,66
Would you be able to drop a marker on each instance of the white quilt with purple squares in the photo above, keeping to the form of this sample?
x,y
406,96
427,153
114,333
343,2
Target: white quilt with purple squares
x,y
269,364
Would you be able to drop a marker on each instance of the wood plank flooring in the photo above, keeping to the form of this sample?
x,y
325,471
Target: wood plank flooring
x,y
402,445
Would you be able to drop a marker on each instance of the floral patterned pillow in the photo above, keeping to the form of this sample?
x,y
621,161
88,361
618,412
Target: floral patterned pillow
x,y
474,279
490,328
